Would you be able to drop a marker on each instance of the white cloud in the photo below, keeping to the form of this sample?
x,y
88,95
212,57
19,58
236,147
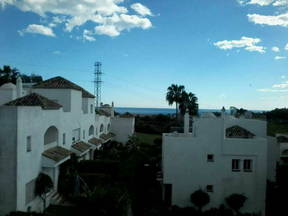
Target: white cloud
x,y
38,29
281,3
260,2
117,23
272,90
247,43
104,14
286,47
278,20
141,9
275,49
265,2
283,77
109,30
281,85
87,35
279,57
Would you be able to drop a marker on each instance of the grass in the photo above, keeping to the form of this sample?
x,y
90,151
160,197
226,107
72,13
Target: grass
x,y
147,138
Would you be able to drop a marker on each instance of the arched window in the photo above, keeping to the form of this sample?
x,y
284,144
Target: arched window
x,y
51,136
91,130
101,128
108,127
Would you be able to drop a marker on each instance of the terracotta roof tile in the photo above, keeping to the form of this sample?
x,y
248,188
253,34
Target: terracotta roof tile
x,y
61,83
95,141
34,100
107,136
102,112
57,153
238,132
81,146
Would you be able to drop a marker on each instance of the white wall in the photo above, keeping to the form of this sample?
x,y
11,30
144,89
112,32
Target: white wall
x,y
8,158
61,96
7,95
123,128
185,163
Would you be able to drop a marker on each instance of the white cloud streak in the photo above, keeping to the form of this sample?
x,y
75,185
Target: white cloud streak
x,y
247,43
275,49
279,57
278,20
282,87
272,90
276,3
141,9
38,29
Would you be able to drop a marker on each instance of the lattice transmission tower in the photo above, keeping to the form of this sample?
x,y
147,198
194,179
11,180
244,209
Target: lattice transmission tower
x,y
97,83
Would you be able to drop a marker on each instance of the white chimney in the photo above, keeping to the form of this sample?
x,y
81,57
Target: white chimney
x,y
19,87
186,122
223,112
112,109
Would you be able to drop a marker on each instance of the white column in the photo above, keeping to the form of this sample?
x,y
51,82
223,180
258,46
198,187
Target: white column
x,y
186,122
19,87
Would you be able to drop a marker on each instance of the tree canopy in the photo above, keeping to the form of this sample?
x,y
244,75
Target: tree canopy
x,y
9,74
183,100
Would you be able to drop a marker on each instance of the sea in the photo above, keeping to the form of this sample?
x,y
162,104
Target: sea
x,y
155,111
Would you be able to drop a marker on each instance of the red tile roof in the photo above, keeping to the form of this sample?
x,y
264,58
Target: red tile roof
x,y
81,146
95,141
57,153
108,136
34,100
238,132
61,83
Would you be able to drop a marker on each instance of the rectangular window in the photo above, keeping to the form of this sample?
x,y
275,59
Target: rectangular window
x,y
28,144
210,158
76,135
235,165
83,134
247,165
64,139
209,188
91,108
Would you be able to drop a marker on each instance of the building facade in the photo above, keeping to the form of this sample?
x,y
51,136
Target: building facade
x,y
222,156
41,127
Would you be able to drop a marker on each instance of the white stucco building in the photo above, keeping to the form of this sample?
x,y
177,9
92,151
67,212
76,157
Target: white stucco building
x,y
221,155
40,127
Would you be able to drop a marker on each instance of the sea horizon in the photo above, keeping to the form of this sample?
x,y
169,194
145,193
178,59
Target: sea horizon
x,y
165,111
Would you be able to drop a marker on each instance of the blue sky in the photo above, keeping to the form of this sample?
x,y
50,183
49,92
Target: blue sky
x,y
227,52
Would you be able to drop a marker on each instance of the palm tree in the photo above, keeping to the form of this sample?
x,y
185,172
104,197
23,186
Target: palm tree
x,y
174,93
43,185
8,74
188,101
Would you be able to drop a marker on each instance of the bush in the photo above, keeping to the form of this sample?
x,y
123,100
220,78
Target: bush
x,y
236,201
20,213
200,198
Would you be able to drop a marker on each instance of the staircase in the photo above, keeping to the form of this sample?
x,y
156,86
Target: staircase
x,y
56,199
